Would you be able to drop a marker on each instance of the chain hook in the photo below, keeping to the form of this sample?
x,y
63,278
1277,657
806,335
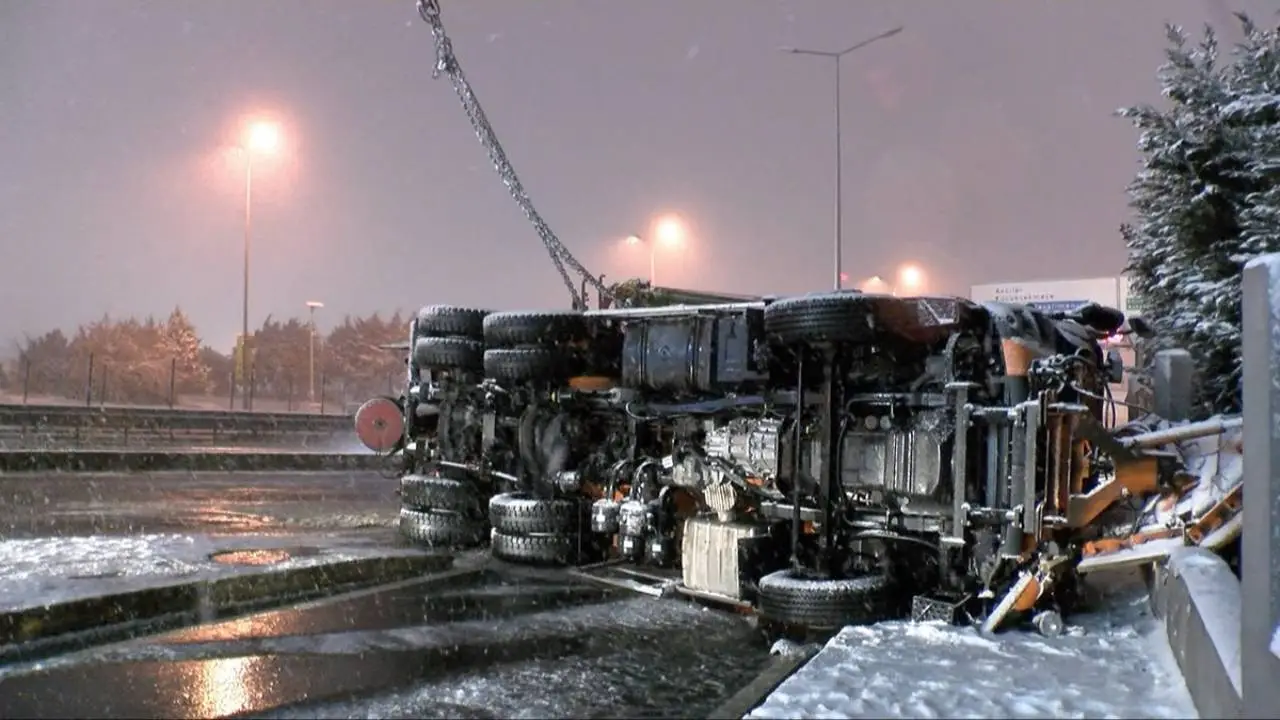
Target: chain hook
x,y
429,9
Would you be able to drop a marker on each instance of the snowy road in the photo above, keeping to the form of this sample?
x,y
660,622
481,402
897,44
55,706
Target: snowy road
x,y
69,536
58,505
40,571
518,645
65,536
1113,663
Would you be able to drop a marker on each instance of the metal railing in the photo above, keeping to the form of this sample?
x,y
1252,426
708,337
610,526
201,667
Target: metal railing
x,y
68,426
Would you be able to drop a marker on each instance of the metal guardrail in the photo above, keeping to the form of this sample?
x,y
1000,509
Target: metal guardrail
x,y
54,426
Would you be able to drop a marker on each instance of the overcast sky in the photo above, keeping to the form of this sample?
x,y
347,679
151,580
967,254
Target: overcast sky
x,y
979,143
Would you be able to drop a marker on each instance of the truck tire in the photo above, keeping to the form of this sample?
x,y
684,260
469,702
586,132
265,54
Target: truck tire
x,y
434,492
790,599
534,328
440,529
451,321
530,364
834,317
449,353
532,549
521,514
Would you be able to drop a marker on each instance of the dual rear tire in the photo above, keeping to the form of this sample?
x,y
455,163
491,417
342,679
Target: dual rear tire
x,y
534,346
441,512
534,531
449,338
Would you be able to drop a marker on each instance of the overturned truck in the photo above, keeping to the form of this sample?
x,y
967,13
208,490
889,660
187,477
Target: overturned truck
x,y
822,460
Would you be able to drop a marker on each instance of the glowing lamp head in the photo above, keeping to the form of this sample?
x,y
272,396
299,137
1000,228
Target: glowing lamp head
x,y
670,230
910,277
634,240
263,137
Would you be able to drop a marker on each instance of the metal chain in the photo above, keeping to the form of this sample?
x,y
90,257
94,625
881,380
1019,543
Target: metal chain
x,y
447,63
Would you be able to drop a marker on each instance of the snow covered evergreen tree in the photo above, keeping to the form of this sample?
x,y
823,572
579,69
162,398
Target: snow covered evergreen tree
x,y
1206,200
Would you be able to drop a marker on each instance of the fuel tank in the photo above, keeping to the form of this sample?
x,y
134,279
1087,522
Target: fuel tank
x,y
697,353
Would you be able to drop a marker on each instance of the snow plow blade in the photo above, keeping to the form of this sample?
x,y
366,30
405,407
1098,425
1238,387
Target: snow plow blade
x,y
1202,511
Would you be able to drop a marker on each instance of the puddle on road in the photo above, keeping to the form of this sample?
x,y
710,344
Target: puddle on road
x,y
262,556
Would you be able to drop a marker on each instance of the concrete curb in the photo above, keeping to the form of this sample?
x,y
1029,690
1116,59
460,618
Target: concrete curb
x,y
776,672
78,461
32,633
1198,598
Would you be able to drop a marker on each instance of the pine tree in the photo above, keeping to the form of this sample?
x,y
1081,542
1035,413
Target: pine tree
x,y
1257,114
1201,202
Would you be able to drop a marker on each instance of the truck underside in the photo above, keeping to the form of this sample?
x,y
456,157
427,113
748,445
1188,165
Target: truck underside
x,y
824,460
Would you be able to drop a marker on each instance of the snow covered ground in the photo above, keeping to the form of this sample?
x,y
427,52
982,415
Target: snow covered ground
x,y
1113,664
40,571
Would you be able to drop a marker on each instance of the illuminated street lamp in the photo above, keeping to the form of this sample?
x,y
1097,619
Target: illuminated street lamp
x,y
909,280
835,56
261,137
668,230
312,306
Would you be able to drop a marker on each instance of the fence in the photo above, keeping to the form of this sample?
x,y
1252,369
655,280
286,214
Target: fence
x,y
93,381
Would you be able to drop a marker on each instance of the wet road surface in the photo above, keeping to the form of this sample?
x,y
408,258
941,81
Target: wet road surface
x,y
36,505
501,642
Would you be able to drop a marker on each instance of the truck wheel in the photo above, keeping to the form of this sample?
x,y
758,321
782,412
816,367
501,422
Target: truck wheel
x,y
449,353
526,364
440,529
434,492
450,321
833,317
532,549
534,328
790,599
521,514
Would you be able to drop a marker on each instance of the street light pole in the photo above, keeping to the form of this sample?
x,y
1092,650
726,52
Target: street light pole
x,y
836,56
312,306
653,254
264,137
248,232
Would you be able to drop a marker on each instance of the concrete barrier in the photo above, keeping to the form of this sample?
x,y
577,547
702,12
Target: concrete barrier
x,y
91,461
1198,598
1224,632
32,633
1260,541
